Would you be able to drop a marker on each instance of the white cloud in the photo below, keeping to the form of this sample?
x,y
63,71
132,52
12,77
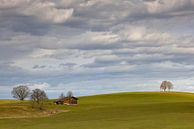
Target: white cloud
x,y
163,6
44,10
106,37
134,33
42,86
48,12
11,3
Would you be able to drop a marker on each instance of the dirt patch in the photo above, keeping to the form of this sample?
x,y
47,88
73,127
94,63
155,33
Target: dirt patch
x,y
34,114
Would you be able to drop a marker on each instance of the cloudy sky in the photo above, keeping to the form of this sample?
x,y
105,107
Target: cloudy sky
x,y
96,46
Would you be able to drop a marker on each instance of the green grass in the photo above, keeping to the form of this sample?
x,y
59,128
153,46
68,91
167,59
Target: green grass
x,y
138,110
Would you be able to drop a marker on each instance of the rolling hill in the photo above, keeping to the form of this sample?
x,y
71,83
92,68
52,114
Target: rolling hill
x,y
133,110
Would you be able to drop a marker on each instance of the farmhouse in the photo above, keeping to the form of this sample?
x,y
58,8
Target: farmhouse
x,y
67,101
70,100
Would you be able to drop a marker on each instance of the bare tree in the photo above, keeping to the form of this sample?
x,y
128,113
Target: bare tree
x,y
170,86
20,92
166,85
163,85
69,94
38,98
61,97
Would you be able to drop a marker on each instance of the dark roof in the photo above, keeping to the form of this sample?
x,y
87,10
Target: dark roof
x,y
72,98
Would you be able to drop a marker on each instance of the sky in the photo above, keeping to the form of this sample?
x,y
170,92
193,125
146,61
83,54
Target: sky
x,y
96,46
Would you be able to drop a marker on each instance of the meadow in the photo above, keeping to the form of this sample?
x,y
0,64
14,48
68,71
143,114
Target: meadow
x,y
133,110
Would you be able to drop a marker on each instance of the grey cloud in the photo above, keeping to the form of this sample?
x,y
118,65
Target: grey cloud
x,y
68,65
44,10
149,0
39,67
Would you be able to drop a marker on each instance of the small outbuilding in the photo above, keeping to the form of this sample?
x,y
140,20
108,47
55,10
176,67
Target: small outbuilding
x,y
67,101
70,100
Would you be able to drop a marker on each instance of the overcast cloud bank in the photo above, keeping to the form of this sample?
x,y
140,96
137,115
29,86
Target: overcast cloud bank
x,y
96,46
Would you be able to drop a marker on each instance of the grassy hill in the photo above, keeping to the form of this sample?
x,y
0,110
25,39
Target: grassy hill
x,y
138,110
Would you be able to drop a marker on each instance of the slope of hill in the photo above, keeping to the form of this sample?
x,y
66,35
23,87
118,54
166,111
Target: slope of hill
x,y
140,110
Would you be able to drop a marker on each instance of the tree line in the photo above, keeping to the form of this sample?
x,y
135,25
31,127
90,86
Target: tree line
x,y
37,96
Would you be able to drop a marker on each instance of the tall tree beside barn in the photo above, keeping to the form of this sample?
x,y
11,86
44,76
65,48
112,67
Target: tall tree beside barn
x,y
69,94
62,96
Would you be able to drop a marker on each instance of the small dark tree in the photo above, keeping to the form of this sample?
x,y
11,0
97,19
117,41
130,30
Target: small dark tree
x,y
69,94
20,92
38,98
61,97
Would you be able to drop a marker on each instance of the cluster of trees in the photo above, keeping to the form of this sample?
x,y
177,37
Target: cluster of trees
x,y
37,96
69,95
166,85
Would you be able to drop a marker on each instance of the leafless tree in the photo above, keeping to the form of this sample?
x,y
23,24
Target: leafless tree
x,y
20,92
170,86
61,97
166,85
163,85
38,98
69,94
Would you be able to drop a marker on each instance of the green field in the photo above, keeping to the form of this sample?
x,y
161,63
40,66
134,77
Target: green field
x,y
138,110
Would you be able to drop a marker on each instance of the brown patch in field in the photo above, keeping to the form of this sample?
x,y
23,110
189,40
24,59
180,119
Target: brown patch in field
x,y
12,112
